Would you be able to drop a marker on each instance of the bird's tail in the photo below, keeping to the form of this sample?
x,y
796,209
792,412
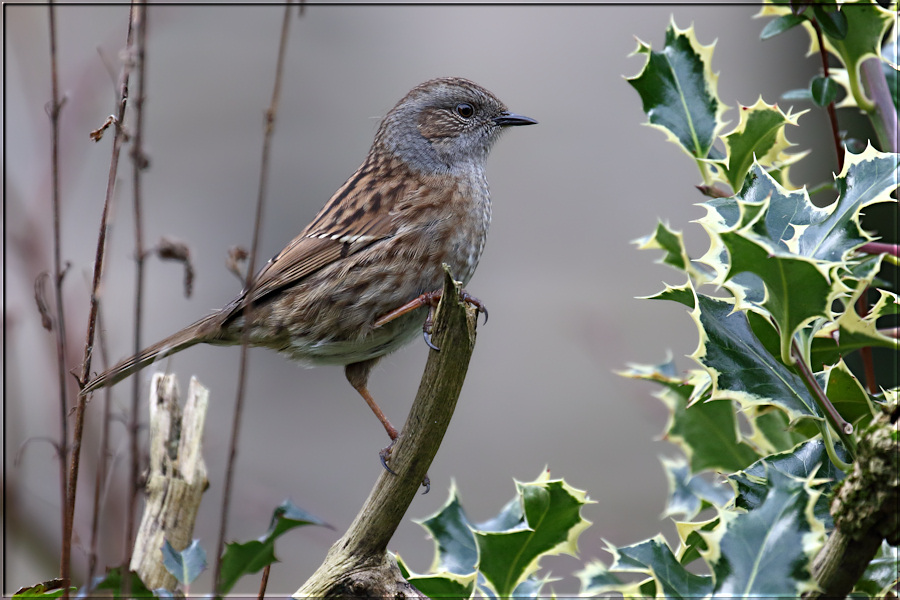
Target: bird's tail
x,y
202,331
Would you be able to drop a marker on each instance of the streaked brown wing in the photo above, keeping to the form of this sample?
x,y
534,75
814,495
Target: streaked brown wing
x,y
358,214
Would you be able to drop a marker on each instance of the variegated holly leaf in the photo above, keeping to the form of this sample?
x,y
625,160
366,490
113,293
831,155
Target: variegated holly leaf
x,y
867,24
671,242
770,430
759,137
675,255
798,290
856,332
768,551
741,367
846,393
666,575
804,461
442,584
544,519
550,525
596,580
683,294
690,493
867,178
788,220
881,576
678,91
706,432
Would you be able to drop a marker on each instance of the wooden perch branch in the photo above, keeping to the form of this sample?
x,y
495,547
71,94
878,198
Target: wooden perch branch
x,y
177,477
358,563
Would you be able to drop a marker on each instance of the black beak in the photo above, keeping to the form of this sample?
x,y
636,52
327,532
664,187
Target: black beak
x,y
508,119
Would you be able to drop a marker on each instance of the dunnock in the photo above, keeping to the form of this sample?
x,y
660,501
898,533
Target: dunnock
x,y
331,296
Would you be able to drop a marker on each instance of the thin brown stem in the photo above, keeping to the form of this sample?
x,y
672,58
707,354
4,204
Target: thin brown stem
x,y
251,268
54,111
139,18
264,582
102,460
832,113
865,353
118,140
832,416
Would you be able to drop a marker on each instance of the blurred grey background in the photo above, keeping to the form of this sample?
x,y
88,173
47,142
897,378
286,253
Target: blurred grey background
x,y
559,274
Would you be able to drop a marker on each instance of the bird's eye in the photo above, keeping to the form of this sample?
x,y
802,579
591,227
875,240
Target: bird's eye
x,y
465,110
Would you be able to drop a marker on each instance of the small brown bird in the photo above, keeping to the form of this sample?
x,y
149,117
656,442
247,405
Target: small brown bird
x,y
331,296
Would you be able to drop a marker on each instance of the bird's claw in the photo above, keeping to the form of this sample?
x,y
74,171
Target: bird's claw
x,y
475,303
385,456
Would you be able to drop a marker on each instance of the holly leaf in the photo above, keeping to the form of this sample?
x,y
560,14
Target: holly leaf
x,y
741,367
451,531
780,25
678,91
797,289
543,519
442,584
856,332
655,559
706,432
689,493
866,25
867,178
881,575
767,552
597,580
759,136
803,461
846,393
671,242
551,525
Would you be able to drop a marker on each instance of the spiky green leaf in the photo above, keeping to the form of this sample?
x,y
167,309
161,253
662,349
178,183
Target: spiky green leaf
x,y
551,525
758,136
741,367
442,584
655,559
689,493
767,552
678,91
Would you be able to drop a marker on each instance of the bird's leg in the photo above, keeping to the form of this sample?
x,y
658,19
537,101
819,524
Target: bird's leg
x,y
358,376
431,300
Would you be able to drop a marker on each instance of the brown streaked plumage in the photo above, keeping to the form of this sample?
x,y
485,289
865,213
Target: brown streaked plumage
x,y
420,199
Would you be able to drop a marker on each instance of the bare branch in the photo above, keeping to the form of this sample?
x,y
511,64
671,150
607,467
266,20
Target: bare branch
x,y
358,564
242,369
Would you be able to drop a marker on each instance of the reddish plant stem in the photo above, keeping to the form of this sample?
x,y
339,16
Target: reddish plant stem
x,y
879,247
832,113
55,108
139,19
865,353
251,269
118,140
